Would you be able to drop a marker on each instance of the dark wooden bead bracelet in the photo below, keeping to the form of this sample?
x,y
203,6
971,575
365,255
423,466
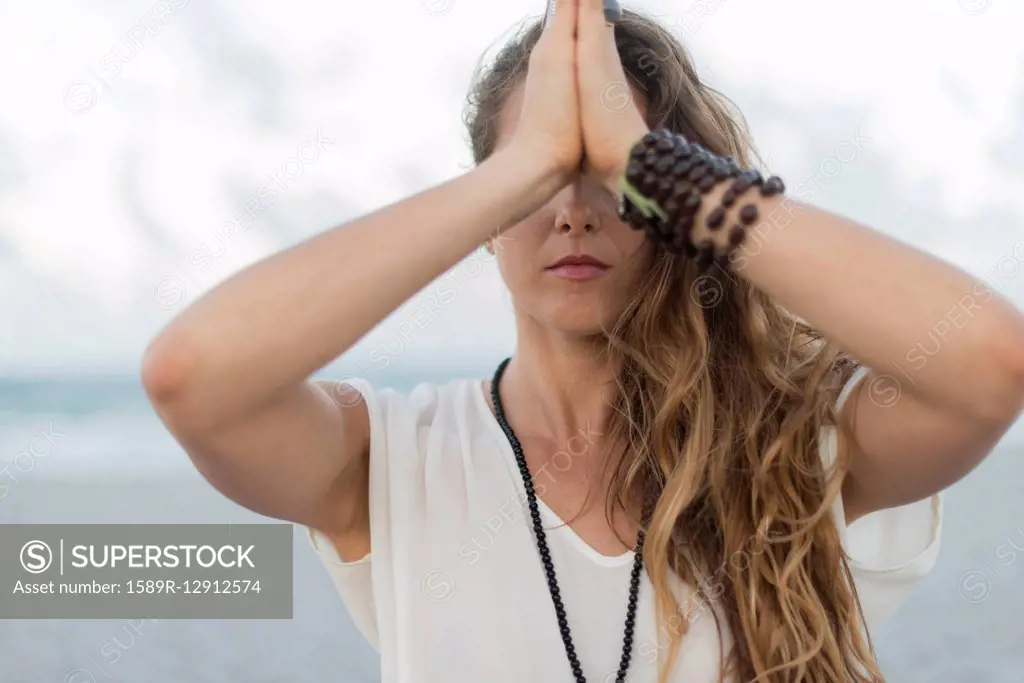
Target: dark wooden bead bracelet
x,y
662,193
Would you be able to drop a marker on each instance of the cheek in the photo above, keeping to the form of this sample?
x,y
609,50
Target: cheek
x,y
516,249
634,246
637,259
633,243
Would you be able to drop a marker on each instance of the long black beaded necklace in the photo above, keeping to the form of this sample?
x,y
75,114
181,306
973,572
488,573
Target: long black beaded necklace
x,y
545,553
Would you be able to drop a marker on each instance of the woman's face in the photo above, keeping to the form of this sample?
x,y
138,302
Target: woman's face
x,y
580,222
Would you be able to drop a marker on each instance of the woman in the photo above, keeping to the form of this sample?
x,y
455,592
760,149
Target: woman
x,y
489,531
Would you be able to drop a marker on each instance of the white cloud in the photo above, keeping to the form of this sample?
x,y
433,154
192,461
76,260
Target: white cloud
x,y
121,195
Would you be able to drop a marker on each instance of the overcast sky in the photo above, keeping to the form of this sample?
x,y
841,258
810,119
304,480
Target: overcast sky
x,y
133,131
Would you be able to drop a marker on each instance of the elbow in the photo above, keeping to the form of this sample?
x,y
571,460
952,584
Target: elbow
x,y
177,376
167,366
1016,365
1006,385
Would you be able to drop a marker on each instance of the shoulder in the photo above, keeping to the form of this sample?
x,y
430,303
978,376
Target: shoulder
x,y
445,403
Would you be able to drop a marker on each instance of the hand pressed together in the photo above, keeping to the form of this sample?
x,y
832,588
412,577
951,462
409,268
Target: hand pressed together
x,y
611,121
578,108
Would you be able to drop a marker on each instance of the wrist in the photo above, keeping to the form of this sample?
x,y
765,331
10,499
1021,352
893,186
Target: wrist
x,y
536,164
764,206
692,201
709,202
532,178
630,136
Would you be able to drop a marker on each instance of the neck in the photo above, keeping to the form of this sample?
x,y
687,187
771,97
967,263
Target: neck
x,y
557,386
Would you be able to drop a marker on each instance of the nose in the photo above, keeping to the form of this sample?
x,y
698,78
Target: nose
x,y
574,217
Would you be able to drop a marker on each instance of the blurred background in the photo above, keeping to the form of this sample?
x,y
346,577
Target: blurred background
x,y
139,135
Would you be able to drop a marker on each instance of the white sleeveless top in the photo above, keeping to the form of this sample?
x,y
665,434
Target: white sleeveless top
x,y
454,590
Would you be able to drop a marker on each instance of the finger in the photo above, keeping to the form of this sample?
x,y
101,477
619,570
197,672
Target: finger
x,y
564,21
595,37
591,21
595,42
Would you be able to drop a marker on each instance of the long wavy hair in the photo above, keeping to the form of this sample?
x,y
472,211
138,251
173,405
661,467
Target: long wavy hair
x,y
722,399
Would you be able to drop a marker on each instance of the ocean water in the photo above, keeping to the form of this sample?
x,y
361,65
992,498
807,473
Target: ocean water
x,y
91,451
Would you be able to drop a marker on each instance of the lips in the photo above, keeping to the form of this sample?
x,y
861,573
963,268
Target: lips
x,y
578,267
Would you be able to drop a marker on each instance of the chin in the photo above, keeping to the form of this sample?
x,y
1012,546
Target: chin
x,y
578,315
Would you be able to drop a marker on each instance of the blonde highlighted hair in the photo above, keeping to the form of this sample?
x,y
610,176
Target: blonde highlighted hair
x,y
722,399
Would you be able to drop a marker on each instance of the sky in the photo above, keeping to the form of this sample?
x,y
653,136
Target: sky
x,y
133,132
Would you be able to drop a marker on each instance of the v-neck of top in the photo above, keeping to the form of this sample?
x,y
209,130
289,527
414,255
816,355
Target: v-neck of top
x,y
558,524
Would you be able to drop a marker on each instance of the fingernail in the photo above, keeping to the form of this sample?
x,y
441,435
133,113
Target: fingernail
x,y
612,11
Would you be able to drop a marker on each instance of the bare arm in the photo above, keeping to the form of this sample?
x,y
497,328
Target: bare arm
x,y
923,419
230,376
946,352
280,320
